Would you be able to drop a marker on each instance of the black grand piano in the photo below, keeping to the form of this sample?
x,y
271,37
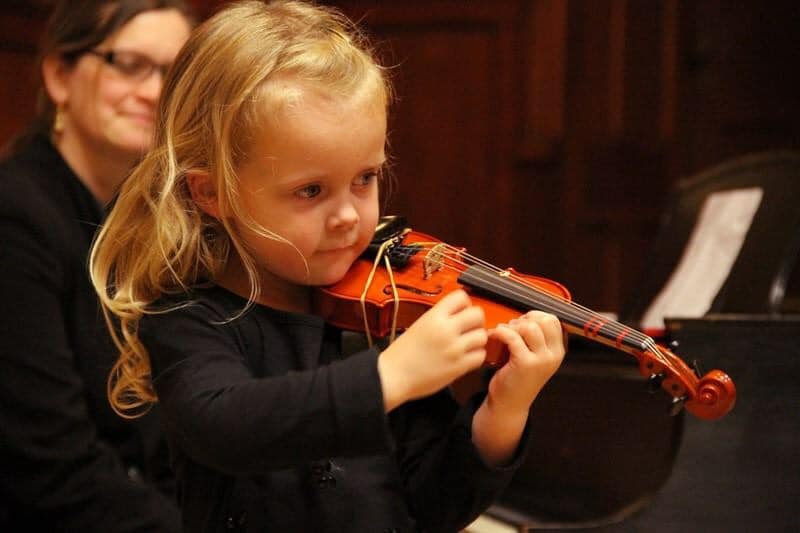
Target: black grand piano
x,y
616,461
607,457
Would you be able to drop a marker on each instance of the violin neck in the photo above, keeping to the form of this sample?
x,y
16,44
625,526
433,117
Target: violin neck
x,y
574,318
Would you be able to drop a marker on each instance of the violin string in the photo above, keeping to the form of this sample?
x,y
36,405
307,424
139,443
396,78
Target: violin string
x,y
573,310
455,255
576,312
395,296
509,275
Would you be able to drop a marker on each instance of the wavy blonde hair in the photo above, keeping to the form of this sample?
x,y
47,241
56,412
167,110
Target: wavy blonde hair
x,y
156,241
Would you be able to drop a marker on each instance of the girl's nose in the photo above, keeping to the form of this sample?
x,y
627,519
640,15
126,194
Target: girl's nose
x,y
345,217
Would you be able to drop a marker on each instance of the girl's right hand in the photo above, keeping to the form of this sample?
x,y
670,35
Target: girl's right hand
x,y
443,344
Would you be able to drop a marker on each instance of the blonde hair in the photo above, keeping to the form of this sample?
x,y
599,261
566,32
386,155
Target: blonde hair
x,y
156,241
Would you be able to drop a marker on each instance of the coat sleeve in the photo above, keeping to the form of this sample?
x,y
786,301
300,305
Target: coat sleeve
x,y
445,480
223,416
54,466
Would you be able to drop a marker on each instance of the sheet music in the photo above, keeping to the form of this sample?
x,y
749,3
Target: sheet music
x,y
713,247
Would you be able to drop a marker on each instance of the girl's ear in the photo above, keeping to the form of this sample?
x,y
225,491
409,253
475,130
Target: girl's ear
x,y
55,74
203,192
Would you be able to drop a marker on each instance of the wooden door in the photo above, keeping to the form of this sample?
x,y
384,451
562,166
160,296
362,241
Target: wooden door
x,y
464,157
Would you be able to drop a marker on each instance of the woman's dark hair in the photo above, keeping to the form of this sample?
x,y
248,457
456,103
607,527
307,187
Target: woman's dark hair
x,y
76,26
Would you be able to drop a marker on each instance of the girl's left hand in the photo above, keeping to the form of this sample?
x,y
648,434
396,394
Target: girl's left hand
x,y
536,349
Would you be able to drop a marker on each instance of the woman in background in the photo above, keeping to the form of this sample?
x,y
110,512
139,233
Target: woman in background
x,y
67,461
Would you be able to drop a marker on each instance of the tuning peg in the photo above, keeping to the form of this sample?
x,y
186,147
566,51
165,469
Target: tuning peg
x,y
673,346
654,382
696,367
677,405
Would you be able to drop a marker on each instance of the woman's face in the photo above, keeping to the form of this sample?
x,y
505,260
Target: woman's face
x,y
108,110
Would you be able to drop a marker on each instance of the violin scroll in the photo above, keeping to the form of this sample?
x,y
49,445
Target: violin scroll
x,y
715,396
710,397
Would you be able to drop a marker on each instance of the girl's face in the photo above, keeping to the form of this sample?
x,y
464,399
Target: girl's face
x,y
110,107
313,180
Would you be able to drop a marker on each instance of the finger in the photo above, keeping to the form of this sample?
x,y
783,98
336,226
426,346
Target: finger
x,y
509,335
472,317
474,358
475,339
531,332
551,329
454,302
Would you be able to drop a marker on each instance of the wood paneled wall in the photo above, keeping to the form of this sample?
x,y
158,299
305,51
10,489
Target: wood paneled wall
x,y
20,26
544,134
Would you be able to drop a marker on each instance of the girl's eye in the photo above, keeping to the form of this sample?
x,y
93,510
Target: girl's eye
x,y
310,192
366,179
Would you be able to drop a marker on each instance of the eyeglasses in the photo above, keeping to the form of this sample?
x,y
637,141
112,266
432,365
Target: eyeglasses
x,y
132,65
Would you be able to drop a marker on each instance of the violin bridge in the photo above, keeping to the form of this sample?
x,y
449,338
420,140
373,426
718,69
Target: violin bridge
x,y
434,260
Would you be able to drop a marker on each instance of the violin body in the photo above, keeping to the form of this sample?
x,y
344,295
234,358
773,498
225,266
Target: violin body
x,y
340,304
404,273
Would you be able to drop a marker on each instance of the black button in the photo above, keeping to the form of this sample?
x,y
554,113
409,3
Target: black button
x,y
134,474
236,522
320,467
326,481
321,474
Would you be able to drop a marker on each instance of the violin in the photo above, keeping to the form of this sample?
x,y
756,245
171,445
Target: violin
x,y
404,272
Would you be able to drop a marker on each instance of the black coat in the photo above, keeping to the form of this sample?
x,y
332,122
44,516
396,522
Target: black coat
x,y
272,429
67,461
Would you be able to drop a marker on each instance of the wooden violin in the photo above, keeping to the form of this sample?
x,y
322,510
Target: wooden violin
x,y
403,273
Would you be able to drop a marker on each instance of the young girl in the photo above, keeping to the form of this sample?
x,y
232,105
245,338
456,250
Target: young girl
x,y
262,185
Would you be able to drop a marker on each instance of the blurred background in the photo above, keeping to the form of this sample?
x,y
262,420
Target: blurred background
x,y
545,134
